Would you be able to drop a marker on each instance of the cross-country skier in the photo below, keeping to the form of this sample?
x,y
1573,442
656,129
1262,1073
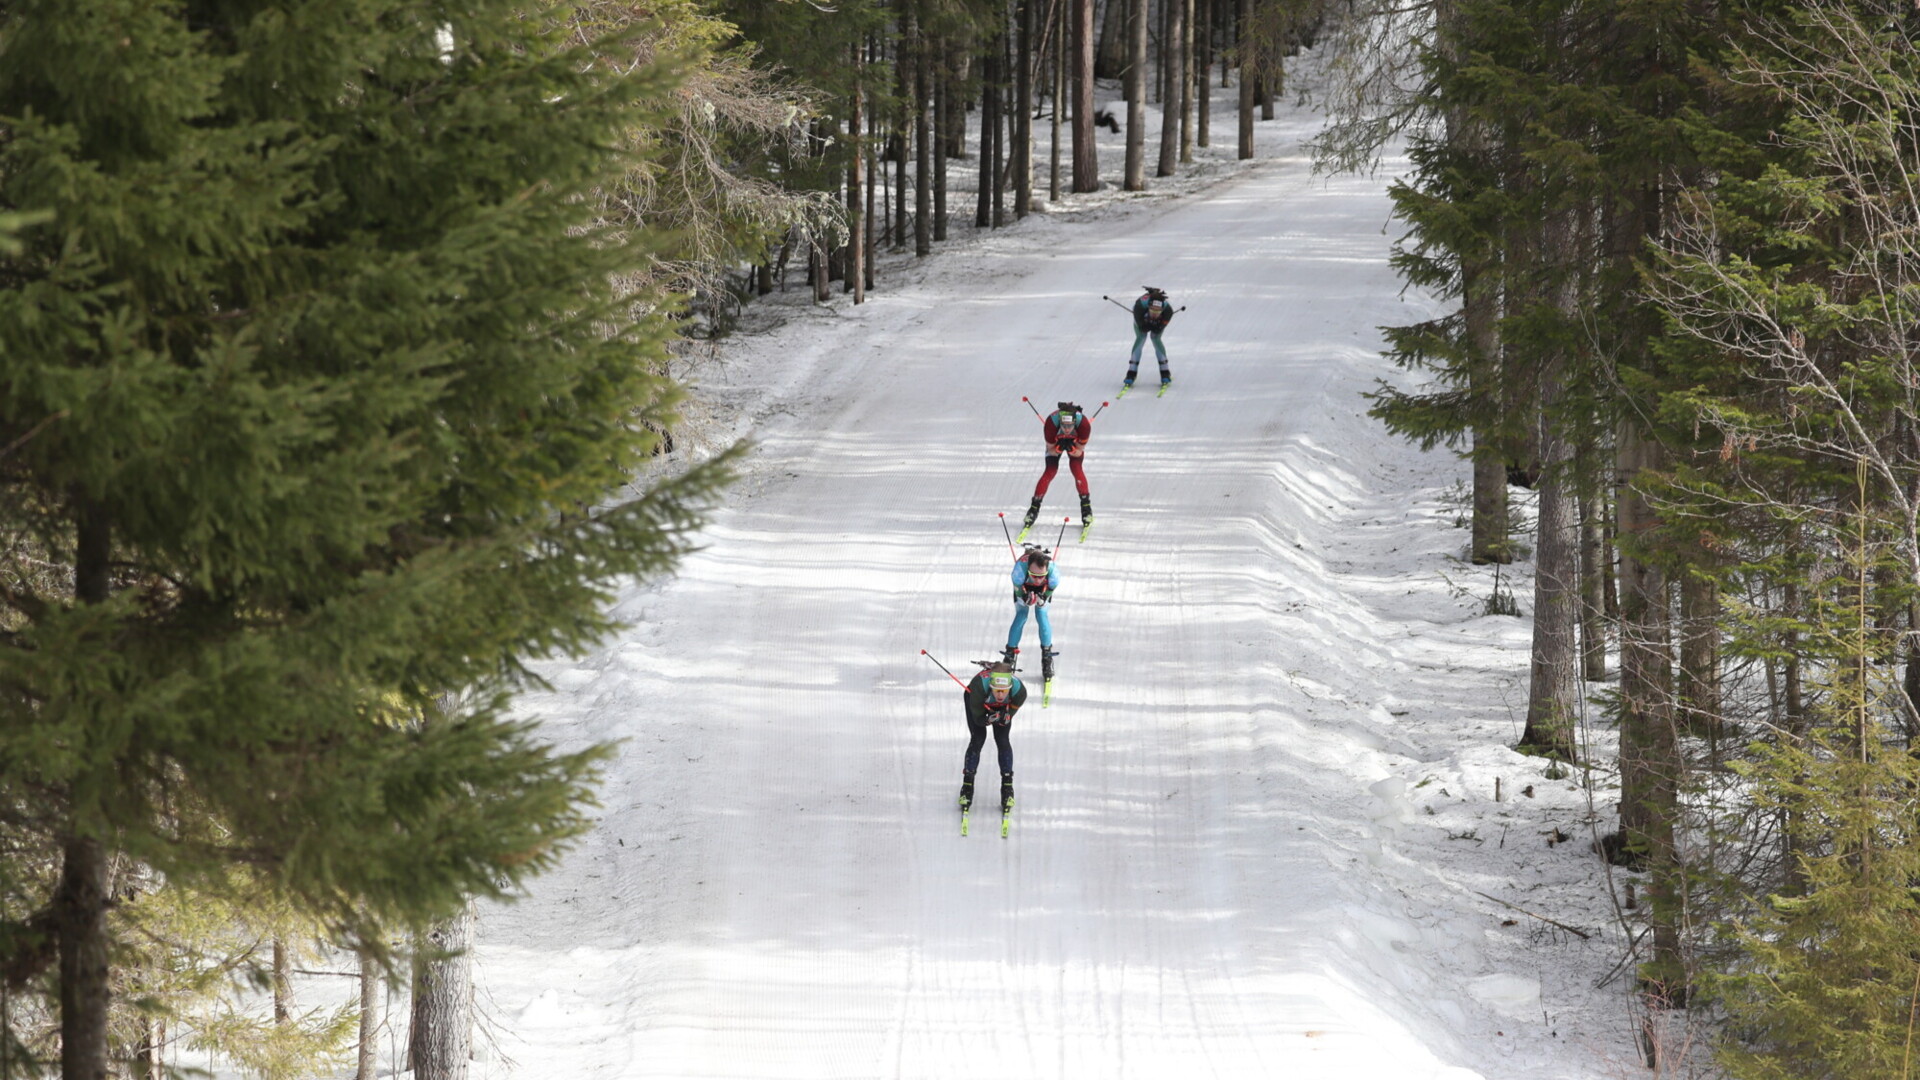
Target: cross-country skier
x,y
1066,430
992,698
1034,579
1151,314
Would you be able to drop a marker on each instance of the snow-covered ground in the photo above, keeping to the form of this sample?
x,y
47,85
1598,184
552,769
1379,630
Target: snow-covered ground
x,y
1256,832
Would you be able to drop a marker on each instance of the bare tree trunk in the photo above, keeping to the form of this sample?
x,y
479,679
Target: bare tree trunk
x,y
80,900
1171,55
1086,155
1593,615
1061,34
440,1039
873,183
922,151
367,1048
282,982
1649,743
1023,108
1203,71
80,917
1114,42
1700,657
1186,82
983,204
1136,173
942,121
856,241
1552,696
1249,73
150,1057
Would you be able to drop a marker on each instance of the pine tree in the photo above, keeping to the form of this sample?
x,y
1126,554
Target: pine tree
x,y
316,379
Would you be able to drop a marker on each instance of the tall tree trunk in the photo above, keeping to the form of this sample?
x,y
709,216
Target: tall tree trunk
x,y
1649,744
1171,54
80,899
1114,42
367,1046
873,183
1593,568
1002,122
1203,71
440,1039
922,150
942,121
983,208
856,239
1699,696
1136,172
282,982
1186,82
1061,30
1249,74
1023,108
1086,155
80,920
1552,696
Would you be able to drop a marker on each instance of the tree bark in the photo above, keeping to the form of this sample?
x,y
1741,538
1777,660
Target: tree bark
x,y
1552,696
1136,170
80,919
942,121
1249,72
1114,42
1593,569
367,1047
1203,71
1171,54
1649,743
282,982
856,240
922,151
1186,82
1086,155
983,202
1023,109
1700,657
1061,30
80,898
440,1038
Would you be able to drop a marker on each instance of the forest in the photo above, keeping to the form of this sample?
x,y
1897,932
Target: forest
x,y
330,328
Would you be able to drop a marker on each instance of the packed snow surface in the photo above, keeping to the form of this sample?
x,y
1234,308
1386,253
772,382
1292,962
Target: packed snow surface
x,y
1256,833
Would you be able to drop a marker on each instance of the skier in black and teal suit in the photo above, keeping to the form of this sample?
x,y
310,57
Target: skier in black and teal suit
x,y
992,698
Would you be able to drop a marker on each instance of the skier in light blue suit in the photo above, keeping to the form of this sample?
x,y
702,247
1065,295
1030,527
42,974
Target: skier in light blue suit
x,y
1034,579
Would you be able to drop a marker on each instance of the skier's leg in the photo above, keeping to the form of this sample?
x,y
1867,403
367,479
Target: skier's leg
x,y
1003,742
1160,352
1079,475
976,738
1046,478
1046,626
1019,627
1133,361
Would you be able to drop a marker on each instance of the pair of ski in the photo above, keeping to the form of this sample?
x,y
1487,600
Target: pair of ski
x,y
1124,387
1085,527
1006,816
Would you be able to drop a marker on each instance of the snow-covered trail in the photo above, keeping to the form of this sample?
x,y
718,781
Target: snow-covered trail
x,y
1191,888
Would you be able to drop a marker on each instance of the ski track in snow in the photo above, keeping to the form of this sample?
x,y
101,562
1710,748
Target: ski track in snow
x,y
1228,857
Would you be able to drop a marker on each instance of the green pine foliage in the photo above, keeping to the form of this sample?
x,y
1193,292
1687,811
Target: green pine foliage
x,y
317,380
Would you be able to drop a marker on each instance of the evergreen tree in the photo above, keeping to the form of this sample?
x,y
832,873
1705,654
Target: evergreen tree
x,y
314,369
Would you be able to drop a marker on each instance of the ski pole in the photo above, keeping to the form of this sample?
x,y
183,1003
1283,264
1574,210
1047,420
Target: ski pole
x,y
1063,533
942,667
1117,304
1030,405
1009,532
1098,411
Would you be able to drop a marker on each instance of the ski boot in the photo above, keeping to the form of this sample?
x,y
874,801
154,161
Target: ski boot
x,y
1046,663
1086,509
1166,378
966,792
1007,654
1006,792
1033,513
